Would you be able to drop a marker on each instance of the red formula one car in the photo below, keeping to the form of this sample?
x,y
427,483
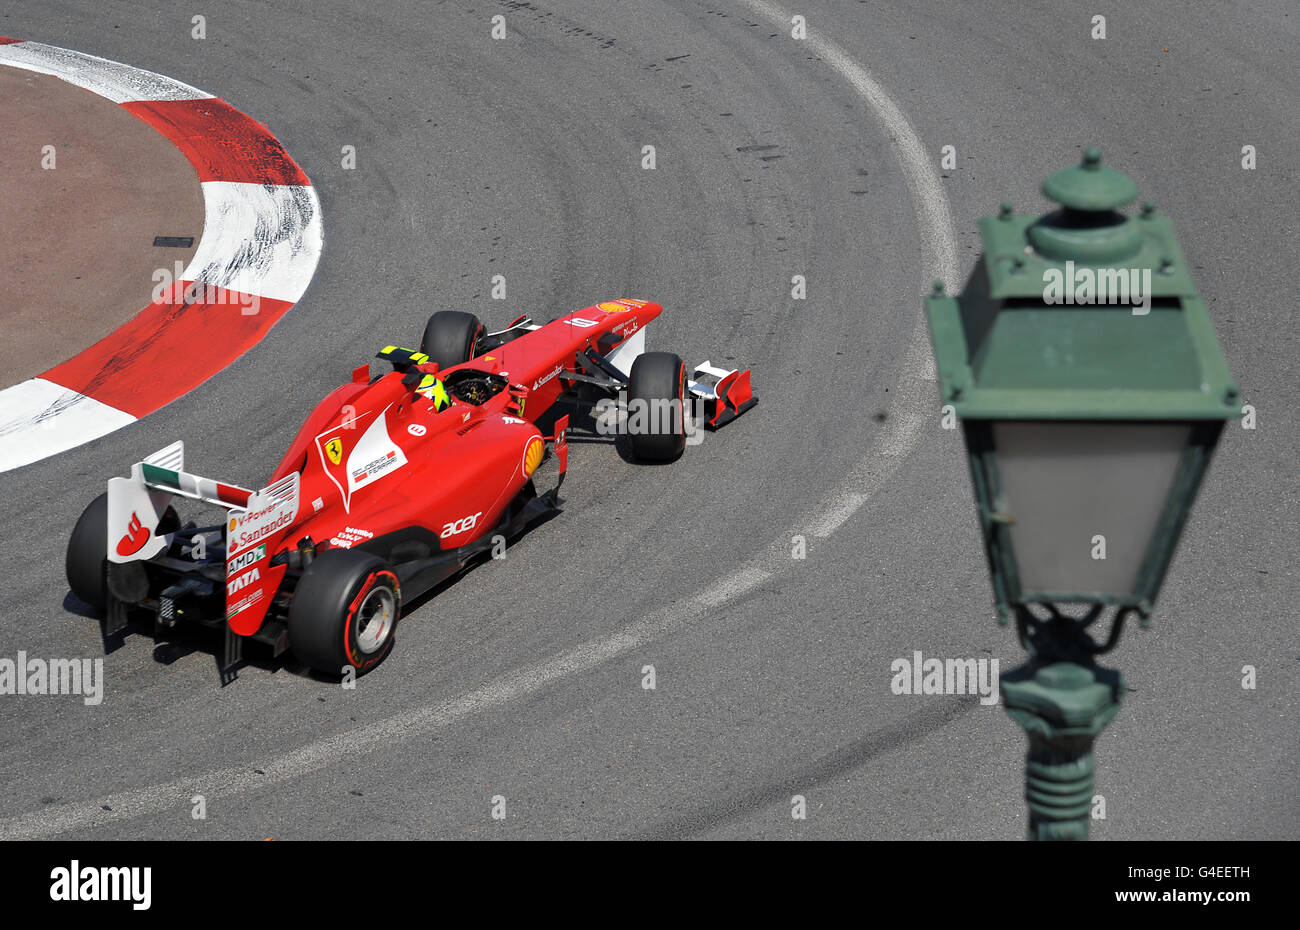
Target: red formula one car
x,y
393,484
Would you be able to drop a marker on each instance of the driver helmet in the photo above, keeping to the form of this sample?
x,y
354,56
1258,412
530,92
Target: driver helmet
x,y
431,387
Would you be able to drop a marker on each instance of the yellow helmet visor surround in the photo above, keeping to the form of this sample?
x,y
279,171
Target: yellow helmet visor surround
x,y
432,388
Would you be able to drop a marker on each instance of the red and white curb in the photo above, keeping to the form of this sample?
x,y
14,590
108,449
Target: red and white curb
x,y
261,242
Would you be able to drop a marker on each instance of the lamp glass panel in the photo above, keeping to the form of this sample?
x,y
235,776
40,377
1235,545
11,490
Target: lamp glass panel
x,y
1067,483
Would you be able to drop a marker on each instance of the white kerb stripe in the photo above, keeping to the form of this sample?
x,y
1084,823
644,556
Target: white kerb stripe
x,y
262,239
118,82
39,418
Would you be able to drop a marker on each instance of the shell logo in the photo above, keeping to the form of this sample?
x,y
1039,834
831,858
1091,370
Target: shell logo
x,y
611,307
533,452
232,524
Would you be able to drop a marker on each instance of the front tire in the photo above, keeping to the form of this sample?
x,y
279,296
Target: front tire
x,y
344,612
656,415
86,563
450,337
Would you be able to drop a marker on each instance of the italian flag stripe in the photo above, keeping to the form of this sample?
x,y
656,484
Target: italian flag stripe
x,y
155,475
204,489
228,492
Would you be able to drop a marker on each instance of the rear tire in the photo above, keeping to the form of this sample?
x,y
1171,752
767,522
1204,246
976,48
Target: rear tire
x,y
656,425
450,337
344,612
86,563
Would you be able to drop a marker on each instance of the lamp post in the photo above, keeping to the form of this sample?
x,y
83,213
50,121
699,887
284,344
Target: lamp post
x,y
1092,390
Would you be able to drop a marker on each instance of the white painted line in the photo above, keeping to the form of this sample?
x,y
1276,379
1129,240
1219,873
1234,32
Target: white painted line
x,y
742,581
118,82
914,397
39,418
156,799
262,239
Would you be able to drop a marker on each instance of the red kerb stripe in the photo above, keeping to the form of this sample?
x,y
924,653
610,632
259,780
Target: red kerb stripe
x,y
223,143
168,349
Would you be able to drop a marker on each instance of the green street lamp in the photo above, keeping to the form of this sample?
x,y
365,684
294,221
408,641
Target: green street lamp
x,y
1092,390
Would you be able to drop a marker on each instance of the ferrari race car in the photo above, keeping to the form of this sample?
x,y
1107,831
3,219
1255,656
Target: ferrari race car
x,y
393,485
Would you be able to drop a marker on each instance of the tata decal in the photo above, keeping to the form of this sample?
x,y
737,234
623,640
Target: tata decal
x,y
242,581
373,456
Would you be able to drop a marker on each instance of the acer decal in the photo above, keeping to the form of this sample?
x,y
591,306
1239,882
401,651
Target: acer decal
x,y
457,527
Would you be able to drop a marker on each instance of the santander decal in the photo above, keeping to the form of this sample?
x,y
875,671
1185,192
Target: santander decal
x,y
270,509
135,538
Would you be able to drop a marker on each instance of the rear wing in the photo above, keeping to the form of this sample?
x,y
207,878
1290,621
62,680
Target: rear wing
x,y
136,506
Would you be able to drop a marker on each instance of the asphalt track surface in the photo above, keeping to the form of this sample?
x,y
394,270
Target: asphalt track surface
x,y
523,679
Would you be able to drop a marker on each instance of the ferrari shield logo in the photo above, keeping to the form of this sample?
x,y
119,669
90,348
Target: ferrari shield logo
x,y
334,449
